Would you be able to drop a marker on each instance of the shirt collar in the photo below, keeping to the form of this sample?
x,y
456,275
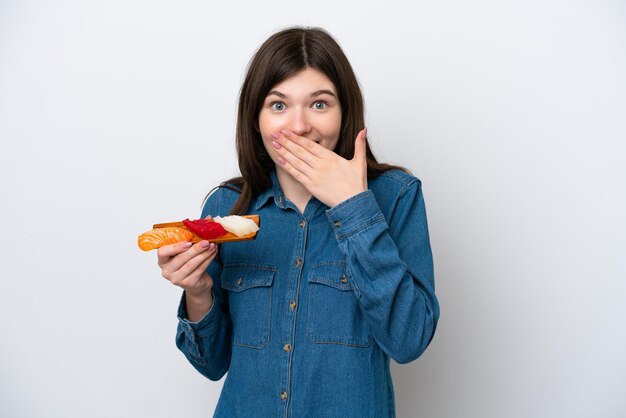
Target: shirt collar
x,y
275,191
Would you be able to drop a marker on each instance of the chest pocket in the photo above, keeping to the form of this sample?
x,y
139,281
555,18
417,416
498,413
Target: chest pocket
x,y
334,316
250,294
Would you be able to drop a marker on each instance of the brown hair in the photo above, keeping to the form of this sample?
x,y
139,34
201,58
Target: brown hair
x,y
281,56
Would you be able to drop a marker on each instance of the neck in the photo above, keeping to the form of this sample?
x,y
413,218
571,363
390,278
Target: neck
x,y
292,188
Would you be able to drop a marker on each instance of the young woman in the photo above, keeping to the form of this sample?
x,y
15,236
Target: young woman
x,y
306,317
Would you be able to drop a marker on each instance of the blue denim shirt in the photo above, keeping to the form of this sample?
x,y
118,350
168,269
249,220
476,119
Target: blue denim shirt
x,y
307,316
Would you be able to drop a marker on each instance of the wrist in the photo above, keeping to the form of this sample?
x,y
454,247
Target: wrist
x,y
198,296
347,197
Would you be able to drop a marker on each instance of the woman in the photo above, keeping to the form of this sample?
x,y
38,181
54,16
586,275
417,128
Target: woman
x,y
306,317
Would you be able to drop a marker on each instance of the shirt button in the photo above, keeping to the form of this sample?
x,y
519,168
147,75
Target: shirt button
x,y
239,281
298,262
283,395
337,224
287,347
344,279
301,224
292,306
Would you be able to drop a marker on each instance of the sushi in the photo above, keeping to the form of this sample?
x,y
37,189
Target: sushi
x,y
237,225
230,228
158,237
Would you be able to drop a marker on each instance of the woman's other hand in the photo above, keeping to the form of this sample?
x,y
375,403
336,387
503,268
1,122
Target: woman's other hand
x,y
327,176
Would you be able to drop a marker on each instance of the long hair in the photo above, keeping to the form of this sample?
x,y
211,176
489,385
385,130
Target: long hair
x,y
281,56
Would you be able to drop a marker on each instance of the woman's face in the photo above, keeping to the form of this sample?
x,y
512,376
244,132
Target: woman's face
x,y
305,104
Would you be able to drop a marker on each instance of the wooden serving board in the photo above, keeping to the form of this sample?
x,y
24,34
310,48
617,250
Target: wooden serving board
x,y
229,237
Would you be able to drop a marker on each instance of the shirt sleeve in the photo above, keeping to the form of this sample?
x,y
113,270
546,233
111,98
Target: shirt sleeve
x,y
207,343
390,265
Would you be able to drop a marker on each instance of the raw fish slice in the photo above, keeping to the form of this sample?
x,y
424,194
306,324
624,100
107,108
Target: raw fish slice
x,y
159,237
237,225
205,228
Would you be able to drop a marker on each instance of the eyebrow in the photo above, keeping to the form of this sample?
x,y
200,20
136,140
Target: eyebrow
x,y
314,94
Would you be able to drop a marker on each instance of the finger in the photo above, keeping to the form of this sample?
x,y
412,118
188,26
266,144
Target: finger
x,y
283,145
190,267
360,146
293,172
304,143
295,162
166,252
176,262
199,271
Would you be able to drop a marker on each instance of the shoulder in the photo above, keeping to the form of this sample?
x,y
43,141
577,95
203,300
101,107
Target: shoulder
x,y
220,200
399,196
393,184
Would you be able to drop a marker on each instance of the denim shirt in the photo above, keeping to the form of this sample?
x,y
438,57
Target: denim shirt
x,y
307,316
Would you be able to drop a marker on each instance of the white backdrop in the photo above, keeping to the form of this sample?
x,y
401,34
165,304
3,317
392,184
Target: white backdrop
x,y
118,114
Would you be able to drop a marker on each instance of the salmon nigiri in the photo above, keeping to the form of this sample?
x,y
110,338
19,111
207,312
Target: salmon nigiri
x,y
158,237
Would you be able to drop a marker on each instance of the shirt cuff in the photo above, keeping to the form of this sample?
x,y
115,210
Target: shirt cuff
x,y
201,327
354,214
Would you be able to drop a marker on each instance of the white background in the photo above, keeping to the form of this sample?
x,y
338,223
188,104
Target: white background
x,y
117,114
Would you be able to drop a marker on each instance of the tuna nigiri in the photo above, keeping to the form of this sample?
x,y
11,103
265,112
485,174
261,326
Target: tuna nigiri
x,y
205,228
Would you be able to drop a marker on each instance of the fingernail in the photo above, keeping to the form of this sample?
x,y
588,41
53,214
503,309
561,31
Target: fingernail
x,y
365,133
186,244
275,135
212,246
275,144
281,160
286,133
205,244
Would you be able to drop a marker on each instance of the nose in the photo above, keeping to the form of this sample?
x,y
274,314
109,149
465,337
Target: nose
x,y
299,122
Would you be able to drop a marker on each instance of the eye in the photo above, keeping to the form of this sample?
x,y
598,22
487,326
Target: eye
x,y
320,105
278,106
